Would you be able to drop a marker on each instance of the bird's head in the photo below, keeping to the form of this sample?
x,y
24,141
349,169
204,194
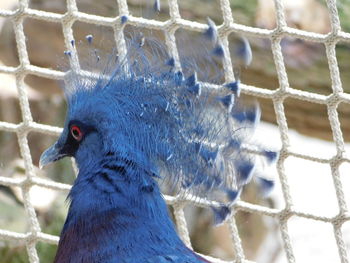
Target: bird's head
x,y
85,130
167,121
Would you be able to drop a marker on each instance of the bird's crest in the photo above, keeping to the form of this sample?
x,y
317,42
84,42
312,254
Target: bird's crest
x,y
181,125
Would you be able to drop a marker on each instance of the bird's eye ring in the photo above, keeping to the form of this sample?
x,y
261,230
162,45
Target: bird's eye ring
x,y
76,133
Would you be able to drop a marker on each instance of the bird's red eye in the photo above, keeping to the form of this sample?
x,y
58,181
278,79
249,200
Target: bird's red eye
x,y
76,133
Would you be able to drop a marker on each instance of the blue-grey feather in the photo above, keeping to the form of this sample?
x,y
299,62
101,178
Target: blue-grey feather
x,y
192,80
124,19
170,62
265,185
211,32
250,114
244,51
227,101
271,156
244,169
234,87
195,89
89,38
156,5
179,78
232,195
209,155
218,50
68,53
220,214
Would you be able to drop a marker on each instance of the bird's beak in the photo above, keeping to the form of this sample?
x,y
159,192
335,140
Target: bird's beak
x,y
52,154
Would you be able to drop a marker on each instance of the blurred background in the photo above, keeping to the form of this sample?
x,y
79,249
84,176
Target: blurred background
x,y
309,129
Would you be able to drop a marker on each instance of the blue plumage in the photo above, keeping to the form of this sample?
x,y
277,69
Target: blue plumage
x,y
139,123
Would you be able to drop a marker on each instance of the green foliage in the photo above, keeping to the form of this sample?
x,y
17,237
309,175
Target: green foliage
x,y
244,11
54,222
13,254
51,223
344,14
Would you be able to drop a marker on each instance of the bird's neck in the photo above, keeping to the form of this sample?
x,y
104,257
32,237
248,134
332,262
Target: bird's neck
x,y
113,205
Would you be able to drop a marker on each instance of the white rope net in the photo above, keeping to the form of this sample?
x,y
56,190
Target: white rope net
x,y
169,27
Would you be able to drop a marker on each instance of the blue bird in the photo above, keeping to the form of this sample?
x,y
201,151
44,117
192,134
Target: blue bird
x,y
139,124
